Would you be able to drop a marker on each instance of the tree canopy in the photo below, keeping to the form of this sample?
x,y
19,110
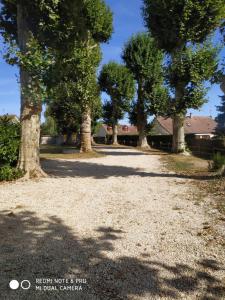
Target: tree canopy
x,y
145,61
191,69
174,23
117,81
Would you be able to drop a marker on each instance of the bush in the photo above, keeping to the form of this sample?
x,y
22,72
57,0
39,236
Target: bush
x,y
7,173
9,141
218,161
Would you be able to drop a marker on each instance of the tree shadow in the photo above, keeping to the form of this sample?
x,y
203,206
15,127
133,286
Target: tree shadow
x,y
33,248
65,168
123,153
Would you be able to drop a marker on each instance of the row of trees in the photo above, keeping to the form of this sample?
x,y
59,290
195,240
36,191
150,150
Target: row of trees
x,y
56,44
170,65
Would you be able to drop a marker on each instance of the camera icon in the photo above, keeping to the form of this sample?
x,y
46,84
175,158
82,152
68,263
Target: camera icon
x,y
14,284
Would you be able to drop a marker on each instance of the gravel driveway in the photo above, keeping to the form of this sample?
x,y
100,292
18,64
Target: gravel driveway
x,y
121,222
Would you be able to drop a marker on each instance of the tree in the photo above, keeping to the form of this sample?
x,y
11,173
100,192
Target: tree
x,y
76,65
221,116
188,75
67,116
49,127
144,60
21,34
117,81
175,25
33,29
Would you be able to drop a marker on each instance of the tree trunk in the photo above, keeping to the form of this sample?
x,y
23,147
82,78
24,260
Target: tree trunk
x,y
69,138
93,141
29,160
115,134
179,117
141,120
178,134
114,125
86,131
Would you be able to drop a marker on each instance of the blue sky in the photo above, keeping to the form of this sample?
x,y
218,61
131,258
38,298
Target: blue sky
x,y
127,21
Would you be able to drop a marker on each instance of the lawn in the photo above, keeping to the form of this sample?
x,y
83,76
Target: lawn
x,y
207,182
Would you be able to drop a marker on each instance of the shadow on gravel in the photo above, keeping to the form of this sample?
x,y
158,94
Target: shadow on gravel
x,y
63,168
116,153
33,248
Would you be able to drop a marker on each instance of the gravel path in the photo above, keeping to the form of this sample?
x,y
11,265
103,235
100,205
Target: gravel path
x,y
122,222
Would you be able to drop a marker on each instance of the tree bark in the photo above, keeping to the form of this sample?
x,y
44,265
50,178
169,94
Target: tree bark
x,y
86,131
93,141
178,134
141,120
115,134
114,125
29,159
179,117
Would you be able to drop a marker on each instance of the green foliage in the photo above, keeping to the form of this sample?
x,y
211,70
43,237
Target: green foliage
x,y
157,96
108,116
99,20
70,27
72,83
218,161
49,126
177,26
8,173
190,69
174,23
9,141
193,65
143,58
145,61
117,81
66,113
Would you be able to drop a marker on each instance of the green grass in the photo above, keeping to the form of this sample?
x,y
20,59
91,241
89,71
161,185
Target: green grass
x,y
185,164
198,167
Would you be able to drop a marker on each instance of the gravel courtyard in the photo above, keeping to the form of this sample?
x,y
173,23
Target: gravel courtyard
x,y
121,221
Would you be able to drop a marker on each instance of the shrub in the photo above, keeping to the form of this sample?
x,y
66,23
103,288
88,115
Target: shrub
x,y
7,173
9,141
218,161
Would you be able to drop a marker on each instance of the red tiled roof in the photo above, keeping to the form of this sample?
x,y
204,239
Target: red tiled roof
x,y
192,125
122,130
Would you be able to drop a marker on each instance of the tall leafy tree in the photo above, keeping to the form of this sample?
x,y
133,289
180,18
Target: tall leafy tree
x,y
194,66
67,116
117,81
175,25
144,60
25,49
76,65
31,28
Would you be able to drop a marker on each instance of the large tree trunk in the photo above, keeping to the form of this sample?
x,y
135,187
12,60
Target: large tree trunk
x,y
114,125
178,134
115,134
141,121
178,118
29,160
86,131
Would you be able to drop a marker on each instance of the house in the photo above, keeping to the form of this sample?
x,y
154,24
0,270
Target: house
x,y
200,126
105,130
125,133
12,118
